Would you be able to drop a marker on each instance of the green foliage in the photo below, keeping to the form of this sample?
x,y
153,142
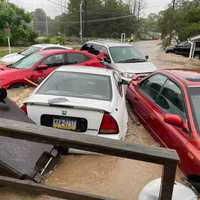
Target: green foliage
x,y
183,21
93,10
17,19
39,21
51,39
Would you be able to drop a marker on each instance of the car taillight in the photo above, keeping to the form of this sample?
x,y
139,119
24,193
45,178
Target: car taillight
x,y
108,125
24,108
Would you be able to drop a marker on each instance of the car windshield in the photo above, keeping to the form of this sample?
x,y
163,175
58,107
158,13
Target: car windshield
x,y
30,50
195,102
27,62
126,54
80,85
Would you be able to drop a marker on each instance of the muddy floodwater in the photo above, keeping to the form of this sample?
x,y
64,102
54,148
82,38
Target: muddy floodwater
x,y
99,174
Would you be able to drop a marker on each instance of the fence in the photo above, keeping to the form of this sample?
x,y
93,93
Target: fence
x,y
27,131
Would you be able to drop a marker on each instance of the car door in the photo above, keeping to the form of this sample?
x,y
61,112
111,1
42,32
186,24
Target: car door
x,y
171,101
52,62
143,95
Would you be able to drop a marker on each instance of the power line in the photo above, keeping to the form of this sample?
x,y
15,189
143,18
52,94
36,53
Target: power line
x,y
94,20
59,5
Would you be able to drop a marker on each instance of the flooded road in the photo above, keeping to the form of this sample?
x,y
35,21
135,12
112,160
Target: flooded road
x,y
98,174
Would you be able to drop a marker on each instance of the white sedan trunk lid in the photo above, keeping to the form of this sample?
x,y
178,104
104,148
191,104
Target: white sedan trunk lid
x,y
78,108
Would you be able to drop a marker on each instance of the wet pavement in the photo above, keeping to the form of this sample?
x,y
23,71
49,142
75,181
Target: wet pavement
x,y
98,174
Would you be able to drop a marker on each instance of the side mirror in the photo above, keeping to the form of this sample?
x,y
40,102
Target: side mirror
x,y
147,57
174,120
42,67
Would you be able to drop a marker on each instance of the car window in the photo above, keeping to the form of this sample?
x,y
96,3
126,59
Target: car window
x,y
194,94
54,60
126,54
94,49
171,99
86,47
117,83
28,61
152,86
74,58
30,50
80,85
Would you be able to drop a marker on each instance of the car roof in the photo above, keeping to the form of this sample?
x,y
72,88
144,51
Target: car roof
x,y
42,46
84,69
109,43
57,51
190,77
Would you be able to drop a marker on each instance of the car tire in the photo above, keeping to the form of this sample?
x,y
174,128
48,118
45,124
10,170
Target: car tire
x,y
195,181
18,85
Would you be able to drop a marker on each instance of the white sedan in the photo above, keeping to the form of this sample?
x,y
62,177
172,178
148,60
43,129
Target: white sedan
x,y
82,99
14,57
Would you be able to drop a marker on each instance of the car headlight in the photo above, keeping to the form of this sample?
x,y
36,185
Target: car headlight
x,y
127,75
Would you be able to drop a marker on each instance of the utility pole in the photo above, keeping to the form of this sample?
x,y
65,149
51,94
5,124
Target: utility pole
x,y
81,21
173,4
7,29
47,26
85,19
172,20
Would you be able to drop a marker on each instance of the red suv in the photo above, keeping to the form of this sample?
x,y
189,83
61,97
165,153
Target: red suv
x,y
168,104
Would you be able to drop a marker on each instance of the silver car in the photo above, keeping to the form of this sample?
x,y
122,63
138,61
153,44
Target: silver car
x,y
123,57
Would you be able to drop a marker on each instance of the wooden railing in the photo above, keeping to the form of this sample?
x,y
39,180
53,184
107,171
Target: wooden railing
x,y
27,131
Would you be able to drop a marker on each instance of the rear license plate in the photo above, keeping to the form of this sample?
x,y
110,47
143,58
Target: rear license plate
x,y
68,124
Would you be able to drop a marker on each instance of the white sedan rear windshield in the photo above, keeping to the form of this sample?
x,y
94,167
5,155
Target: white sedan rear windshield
x,y
80,85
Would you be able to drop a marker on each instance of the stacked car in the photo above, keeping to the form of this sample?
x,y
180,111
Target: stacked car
x,y
89,100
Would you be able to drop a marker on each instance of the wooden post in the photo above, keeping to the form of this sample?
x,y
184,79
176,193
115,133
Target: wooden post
x,y
30,186
167,180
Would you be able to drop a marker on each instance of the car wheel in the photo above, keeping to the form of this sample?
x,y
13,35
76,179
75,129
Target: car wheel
x,y
18,85
195,181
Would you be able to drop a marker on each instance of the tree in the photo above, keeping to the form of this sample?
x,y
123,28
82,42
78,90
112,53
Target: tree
x,y
150,24
18,21
105,18
40,21
185,21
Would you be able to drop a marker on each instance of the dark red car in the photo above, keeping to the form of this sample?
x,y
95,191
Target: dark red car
x,y
168,104
37,66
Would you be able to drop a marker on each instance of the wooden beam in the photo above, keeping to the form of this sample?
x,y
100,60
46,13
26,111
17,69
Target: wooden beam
x,y
41,134
167,180
30,186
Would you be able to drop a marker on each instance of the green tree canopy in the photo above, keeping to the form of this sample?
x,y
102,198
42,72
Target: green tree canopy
x,y
103,18
183,20
18,21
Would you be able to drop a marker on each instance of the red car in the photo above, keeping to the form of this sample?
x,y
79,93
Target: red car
x,y
168,104
37,66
